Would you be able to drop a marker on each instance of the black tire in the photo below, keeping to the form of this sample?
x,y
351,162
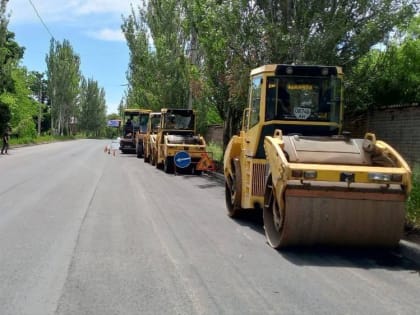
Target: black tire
x,y
139,150
168,165
196,172
273,217
157,164
146,159
146,156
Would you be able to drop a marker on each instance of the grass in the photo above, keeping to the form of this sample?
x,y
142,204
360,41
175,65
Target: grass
x,y
216,150
413,202
41,139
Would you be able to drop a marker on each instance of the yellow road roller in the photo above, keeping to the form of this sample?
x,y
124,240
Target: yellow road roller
x,y
315,184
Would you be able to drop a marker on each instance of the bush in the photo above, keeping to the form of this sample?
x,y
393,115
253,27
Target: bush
x,y
41,139
217,151
413,202
26,129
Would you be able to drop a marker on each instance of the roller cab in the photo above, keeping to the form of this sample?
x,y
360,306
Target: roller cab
x,y
131,140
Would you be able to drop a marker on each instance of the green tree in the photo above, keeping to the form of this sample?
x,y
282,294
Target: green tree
x,y
63,73
390,76
142,85
92,118
329,32
10,54
166,74
203,51
239,35
164,20
38,87
22,107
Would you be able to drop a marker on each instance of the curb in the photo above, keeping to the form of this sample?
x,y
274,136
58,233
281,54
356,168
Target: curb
x,y
216,175
409,250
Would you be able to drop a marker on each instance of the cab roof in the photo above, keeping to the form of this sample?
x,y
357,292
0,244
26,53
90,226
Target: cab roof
x,y
137,110
285,69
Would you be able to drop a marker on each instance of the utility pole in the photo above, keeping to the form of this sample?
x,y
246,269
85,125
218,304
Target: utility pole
x,y
40,105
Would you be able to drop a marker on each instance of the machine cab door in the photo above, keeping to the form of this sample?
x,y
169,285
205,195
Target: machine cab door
x,y
253,127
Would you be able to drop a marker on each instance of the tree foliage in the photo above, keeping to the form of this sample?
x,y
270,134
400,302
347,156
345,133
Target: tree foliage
x,y
204,50
63,72
10,54
38,86
92,118
388,77
27,96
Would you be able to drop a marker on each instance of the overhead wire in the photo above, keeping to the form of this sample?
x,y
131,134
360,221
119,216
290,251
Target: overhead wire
x,y
40,18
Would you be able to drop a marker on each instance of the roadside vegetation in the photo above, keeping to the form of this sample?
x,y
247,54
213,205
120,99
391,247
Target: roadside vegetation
x,y
216,150
41,139
413,202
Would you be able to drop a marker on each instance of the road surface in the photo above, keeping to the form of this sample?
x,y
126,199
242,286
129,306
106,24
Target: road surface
x,y
84,232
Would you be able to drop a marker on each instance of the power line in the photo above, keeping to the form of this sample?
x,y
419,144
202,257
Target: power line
x,y
40,18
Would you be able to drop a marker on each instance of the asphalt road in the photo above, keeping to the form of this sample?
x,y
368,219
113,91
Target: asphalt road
x,y
84,232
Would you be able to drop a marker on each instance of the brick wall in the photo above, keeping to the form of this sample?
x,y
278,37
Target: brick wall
x,y
215,134
398,126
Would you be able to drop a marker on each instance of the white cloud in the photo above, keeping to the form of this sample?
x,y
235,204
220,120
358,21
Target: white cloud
x,y
103,6
54,11
108,34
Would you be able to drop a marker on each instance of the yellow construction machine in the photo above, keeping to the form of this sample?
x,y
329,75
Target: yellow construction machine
x,y
178,144
134,130
149,140
314,183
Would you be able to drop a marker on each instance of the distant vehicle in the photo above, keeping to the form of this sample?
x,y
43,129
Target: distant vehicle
x,y
134,129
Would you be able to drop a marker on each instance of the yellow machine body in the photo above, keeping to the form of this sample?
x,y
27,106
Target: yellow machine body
x,y
149,140
177,132
314,184
132,141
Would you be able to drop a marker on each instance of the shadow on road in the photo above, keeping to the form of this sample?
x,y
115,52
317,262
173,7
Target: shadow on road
x,y
211,181
369,258
252,219
328,256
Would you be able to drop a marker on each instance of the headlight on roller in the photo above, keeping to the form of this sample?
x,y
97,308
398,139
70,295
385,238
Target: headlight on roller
x,y
304,174
382,177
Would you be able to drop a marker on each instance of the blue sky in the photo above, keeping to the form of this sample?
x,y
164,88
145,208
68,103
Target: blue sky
x,y
93,28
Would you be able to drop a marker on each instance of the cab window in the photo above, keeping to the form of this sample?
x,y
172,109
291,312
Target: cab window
x,y
254,115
